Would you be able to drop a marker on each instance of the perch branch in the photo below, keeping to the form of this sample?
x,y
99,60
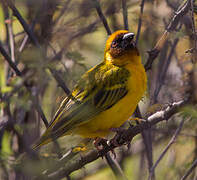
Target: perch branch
x,y
125,137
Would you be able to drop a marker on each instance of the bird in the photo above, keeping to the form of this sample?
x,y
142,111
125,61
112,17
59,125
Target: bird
x,y
105,97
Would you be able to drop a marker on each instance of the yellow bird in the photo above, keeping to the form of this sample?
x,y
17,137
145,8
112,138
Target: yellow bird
x,y
105,96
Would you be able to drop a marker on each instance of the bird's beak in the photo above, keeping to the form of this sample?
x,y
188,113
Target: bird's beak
x,y
128,40
128,36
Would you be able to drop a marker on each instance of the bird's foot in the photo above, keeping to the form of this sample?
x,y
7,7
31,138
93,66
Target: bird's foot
x,y
116,140
137,120
79,149
100,144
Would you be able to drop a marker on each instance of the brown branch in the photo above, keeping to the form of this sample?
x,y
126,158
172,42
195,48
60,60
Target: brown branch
x,y
125,14
11,41
125,137
32,37
115,167
60,81
140,21
101,15
23,23
9,60
172,141
19,73
182,10
171,4
163,71
189,171
63,9
147,140
193,25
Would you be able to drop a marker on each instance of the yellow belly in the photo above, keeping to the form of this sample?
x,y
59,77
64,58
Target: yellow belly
x,y
100,125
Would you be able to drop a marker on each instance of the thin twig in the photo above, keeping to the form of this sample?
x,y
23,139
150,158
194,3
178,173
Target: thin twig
x,y
171,4
147,140
140,21
32,29
18,73
36,43
173,139
63,9
162,73
9,60
60,81
193,24
118,172
101,15
11,39
23,23
189,171
182,10
125,14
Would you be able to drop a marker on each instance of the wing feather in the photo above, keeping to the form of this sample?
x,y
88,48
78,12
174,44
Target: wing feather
x,y
98,90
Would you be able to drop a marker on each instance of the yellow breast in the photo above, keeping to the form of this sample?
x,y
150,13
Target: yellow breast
x,y
100,125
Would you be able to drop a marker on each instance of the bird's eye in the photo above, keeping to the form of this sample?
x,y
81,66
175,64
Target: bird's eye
x,y
114,44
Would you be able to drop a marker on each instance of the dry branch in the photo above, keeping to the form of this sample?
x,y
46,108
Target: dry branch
x,y
182,10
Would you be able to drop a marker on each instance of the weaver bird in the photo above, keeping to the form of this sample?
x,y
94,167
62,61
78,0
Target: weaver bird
x,y
105,96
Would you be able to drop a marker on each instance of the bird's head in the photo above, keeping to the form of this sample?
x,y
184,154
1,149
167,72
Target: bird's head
x,y
120,48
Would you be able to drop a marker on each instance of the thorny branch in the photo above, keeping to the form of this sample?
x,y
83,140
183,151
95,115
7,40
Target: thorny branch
x,y
182,10
126,137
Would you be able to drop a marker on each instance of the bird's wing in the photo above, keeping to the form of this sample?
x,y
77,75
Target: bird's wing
x,y
99,89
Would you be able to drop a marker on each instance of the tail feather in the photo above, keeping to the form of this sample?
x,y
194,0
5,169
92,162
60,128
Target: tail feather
x,y
41,142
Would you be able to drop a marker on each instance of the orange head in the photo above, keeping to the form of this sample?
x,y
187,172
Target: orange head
x,y
120,48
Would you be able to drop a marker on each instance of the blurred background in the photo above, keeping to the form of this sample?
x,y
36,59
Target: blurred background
x,y
72,39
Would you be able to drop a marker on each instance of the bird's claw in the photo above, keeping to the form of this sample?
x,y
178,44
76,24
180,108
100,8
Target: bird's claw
x,y
100,145
116,140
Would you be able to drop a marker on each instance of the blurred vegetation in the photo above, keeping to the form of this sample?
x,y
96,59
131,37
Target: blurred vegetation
x,y
72,32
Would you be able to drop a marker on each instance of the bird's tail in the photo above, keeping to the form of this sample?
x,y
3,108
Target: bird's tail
x,y
42,141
